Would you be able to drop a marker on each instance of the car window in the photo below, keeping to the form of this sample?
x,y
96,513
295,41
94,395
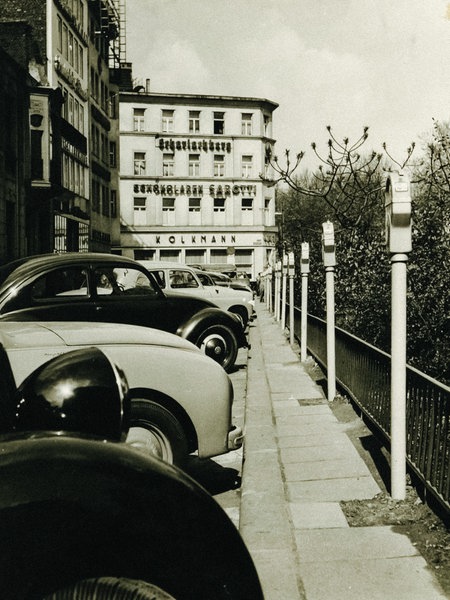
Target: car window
x,y
131,282
160,278
182,279
69,281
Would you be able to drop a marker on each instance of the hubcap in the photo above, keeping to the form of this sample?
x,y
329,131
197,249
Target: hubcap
x,y
150,441
214,346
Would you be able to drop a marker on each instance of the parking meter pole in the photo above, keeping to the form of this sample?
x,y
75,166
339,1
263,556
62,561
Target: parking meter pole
x,y
283,294
277,291
291,263
304,269
331,352
398,238
329,261
398,377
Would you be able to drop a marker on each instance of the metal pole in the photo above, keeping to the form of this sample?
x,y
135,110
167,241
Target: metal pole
x,y
283,298
304,318
331,353
291,309
398,376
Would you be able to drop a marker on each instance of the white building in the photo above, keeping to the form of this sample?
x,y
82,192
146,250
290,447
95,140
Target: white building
x,y
190,185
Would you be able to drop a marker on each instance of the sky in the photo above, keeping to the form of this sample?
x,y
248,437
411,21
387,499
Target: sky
x,y
347,64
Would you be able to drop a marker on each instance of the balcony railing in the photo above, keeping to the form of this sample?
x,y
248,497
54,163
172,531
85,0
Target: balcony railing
x,y
363,372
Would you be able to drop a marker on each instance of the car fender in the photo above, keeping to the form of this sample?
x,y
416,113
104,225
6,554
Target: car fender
x,y
207,317
73,508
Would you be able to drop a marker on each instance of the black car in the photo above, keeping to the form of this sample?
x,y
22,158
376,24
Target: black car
x,y
109,288
83,515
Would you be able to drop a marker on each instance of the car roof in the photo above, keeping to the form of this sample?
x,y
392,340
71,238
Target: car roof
x,y
34,263
164,264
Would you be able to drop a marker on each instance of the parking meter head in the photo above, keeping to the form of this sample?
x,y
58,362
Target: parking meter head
x,y
398,213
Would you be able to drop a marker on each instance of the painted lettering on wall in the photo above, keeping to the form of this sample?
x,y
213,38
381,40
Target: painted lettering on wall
x,y
196,239
195,145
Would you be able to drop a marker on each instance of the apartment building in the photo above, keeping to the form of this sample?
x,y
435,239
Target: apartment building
x,y
67,49
190,184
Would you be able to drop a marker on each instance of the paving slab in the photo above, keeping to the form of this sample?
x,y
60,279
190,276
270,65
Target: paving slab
x,y
405,578
317,515
325,469
333,490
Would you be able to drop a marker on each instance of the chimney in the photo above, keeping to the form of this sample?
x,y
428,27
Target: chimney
x,y
147,86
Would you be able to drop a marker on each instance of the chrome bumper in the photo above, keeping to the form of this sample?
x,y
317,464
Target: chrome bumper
x,y
235,438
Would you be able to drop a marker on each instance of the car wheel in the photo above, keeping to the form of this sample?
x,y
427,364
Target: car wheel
x,y
154,430
110,588
219,342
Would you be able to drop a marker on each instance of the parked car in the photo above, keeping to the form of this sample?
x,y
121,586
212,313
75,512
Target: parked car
x,y
181,279
83,515
107,288
169,417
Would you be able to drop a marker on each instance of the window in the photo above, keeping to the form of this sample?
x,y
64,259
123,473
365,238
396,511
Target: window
x,y
182,279
168,204
247,204
139,163
112,154
59,42
65,41
247,164
70,281
194,204
219,123
168,208
168,165
219,256
219,165
139,207
167,121
194,165
246,124
138,119
194,121
219,205
113,204
139,204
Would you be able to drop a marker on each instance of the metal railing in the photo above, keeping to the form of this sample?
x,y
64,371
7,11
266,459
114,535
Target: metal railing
x,y
363,371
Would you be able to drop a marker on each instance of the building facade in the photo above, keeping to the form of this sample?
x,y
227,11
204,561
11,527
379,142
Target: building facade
x,y
190,184
68,51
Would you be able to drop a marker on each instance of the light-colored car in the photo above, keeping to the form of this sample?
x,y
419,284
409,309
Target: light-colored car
x,y
178,278
181,399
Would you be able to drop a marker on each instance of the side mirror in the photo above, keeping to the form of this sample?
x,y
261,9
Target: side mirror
x,y
80,392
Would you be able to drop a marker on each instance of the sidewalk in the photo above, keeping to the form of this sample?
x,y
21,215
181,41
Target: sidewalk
x,y
299,464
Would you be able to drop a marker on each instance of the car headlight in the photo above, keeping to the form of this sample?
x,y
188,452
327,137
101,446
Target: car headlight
x,y
80,391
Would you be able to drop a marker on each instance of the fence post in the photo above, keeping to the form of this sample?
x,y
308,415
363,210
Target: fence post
x,y
304,269
398,237
329,261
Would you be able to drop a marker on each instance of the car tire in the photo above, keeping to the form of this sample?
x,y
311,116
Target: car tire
x,y
110,588
219,342
155,430
241,312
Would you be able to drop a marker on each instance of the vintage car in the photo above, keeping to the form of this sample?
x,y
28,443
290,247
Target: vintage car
x,y
107,288
172,414
182,279
83,515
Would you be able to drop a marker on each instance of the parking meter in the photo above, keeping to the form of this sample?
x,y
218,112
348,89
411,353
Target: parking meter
x,y
328,247
304,260
291,263
398,213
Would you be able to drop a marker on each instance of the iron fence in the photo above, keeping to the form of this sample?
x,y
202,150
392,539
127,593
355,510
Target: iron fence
x,y
363,371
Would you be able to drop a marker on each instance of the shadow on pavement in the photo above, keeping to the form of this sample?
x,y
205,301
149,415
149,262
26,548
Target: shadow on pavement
x,y
212,476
